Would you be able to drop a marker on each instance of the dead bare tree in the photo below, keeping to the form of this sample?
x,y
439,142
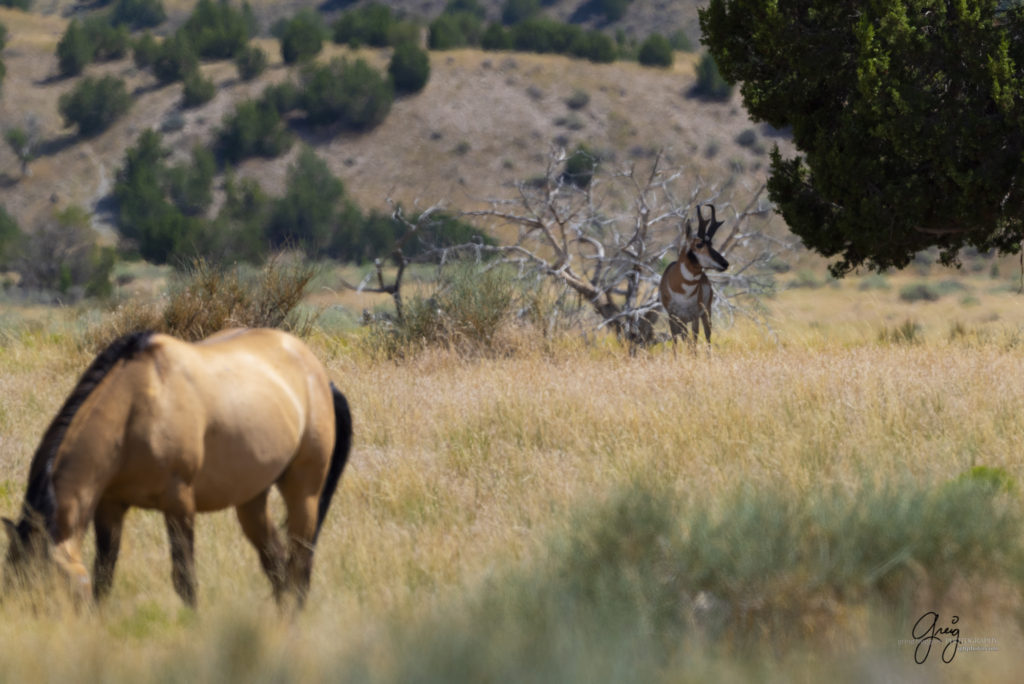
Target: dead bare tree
x,y
607,239
398,256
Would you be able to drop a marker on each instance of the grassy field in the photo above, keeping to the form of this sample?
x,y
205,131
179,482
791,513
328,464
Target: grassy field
x,y
783,508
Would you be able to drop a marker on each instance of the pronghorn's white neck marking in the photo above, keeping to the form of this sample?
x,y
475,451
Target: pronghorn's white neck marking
x,y
686,269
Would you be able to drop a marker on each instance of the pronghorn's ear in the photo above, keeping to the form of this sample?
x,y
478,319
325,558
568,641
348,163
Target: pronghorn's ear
x,y
689,229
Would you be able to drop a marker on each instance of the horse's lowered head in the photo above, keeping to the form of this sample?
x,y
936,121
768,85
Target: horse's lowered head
x,y
29,552
697,248
32,560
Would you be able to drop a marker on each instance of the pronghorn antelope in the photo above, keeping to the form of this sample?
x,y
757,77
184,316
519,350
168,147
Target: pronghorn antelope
x,y
685,288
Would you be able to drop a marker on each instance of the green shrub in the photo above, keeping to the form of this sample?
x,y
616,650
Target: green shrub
x,y
251,61
681,42
254,129
451,31
239,232
94,39
175,59
497,37
440,231
747,138
282,97
580,167
109,41
153,200
578,100
10,238
24,142
138,14
373,24
145,50
197,90
466,313
17,4
302,37
409,68
94,104
516,11
190,186
544,35
656,51
216,30
613,10
352,95
360,239
306,216
74,49
918,292
469,6
874,281
710,84
595,46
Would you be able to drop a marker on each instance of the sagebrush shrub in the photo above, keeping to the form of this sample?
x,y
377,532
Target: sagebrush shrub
x,y
206,298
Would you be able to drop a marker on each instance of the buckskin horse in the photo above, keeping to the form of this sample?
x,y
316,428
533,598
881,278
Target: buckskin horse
x,y
159,423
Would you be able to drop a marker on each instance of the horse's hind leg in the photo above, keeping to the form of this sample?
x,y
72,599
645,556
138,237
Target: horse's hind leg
x,y
108,521
260,531
181,532
301,499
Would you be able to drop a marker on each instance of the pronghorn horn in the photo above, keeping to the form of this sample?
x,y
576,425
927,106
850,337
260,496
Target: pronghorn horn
x,y
715,224
702,225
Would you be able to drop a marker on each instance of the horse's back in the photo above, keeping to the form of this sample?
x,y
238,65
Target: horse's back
x,y
233,412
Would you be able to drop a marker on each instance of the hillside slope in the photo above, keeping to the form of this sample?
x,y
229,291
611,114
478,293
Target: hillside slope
x,y
484,121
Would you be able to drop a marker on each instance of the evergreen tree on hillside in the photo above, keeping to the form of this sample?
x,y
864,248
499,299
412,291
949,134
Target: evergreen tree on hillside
x,y
94,104
409,68
306,216
302,37
908,116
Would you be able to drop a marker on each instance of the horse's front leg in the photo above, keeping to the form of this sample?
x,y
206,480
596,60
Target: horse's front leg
x,y
108,521
181,532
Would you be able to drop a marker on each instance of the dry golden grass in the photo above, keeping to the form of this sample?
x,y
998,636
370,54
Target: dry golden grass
x,y
465,469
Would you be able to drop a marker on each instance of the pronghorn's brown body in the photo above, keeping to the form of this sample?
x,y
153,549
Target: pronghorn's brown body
x,y
685,288
185,428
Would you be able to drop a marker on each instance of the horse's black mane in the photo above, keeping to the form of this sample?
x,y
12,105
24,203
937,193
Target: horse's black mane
x,y
40,501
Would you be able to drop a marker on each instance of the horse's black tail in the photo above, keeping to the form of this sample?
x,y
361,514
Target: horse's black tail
x,y
342,444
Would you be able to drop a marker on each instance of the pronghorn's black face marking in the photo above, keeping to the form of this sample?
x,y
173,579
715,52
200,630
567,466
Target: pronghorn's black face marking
x,y
698,249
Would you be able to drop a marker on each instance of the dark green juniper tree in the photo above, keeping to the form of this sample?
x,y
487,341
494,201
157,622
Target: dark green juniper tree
x,y
908,115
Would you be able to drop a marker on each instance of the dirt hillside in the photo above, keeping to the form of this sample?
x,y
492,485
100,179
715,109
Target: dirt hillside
x,y
484,121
